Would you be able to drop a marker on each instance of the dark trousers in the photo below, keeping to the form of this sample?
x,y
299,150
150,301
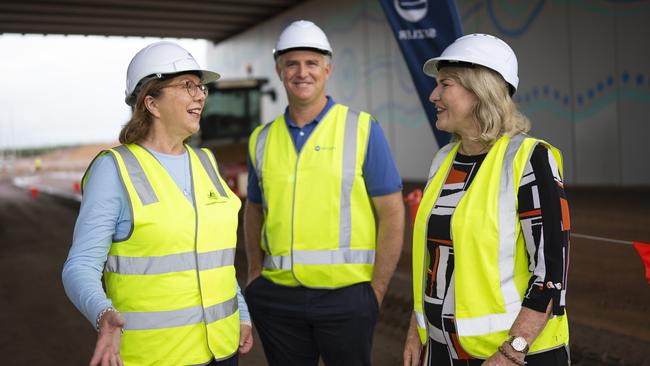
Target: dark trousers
x,y
297,325
232,361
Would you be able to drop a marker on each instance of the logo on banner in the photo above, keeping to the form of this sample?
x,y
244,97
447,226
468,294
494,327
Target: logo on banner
x,y
411,10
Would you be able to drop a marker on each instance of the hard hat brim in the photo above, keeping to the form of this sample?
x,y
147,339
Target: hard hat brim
x,y
208,76
432,66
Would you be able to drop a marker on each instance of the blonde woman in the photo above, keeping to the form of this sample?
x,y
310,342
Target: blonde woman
x,y
491,237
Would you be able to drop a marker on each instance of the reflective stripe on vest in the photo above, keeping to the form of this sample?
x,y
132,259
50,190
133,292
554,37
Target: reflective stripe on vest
x,y
137,176
325,257
259,162
347,178
170,263
341,231
177,318
205,161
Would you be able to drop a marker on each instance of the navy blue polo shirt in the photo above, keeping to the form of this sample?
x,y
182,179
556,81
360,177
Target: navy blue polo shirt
x,y
379,170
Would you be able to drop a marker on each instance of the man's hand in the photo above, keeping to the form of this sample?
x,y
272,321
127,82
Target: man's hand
x,y
252,276
245,339
379,294
107,348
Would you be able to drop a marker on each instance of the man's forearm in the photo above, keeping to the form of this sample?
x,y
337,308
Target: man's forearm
x,y
390,238
253,219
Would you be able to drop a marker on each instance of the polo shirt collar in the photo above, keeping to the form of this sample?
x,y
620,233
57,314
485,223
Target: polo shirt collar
x,y
330,103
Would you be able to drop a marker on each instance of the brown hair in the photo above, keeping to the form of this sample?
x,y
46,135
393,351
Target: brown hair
x,y
138,127
495,112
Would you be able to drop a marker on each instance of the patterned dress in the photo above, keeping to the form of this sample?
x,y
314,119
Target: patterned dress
x,y
544,217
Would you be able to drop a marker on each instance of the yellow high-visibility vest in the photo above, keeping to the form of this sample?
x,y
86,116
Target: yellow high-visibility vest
x,y
490,259
173,278
319,226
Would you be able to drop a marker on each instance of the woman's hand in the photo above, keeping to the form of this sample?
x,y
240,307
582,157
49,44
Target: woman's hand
x,y
499,359
245,339
412,346
107,348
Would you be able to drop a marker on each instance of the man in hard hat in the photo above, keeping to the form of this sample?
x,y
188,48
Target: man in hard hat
x,y
324,218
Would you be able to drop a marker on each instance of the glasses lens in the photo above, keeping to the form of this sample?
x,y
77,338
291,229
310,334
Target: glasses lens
x,y
191,88
204,89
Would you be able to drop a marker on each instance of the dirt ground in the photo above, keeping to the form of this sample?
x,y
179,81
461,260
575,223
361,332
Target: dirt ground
x,y
608,301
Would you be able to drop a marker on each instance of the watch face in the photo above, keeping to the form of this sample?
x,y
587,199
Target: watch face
x,y
519,344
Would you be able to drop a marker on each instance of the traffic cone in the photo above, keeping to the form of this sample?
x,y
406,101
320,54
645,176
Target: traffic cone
x,y
76,186
34,192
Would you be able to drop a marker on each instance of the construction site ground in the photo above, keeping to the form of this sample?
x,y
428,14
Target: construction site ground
x,y
608,296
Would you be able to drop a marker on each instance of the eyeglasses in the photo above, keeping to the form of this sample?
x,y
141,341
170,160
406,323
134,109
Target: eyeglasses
x,y
191,87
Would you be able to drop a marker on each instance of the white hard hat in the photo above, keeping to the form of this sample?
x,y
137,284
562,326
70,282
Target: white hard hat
x,y
158,59
480,49
302,34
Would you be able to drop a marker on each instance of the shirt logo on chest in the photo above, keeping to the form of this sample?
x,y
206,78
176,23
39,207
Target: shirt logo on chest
x,y
324,148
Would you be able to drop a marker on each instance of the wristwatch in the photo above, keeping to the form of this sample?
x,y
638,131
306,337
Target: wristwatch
x,y
518,343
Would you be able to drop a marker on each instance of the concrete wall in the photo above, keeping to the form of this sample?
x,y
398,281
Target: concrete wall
x,y
584,77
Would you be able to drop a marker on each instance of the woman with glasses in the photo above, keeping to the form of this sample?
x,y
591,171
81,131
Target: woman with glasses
x,y
160,224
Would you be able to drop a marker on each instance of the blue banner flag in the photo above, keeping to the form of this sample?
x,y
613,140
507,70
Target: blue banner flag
x,y
423,29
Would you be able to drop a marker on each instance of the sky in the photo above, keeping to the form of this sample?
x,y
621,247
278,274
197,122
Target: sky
x,y
68,90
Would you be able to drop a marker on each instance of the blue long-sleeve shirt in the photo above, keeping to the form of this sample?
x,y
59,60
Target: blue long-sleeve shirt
x,y
104,217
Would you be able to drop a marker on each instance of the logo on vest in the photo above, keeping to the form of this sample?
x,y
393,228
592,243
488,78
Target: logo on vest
x,y
324,148
212,198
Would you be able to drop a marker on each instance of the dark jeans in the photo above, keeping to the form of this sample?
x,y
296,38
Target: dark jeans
x,y
297,325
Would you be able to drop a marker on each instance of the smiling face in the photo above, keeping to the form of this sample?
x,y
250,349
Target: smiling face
x,y
303,74
454,105
177,112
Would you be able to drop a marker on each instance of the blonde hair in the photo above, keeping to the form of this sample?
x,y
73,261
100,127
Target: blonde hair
x,y
495,113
